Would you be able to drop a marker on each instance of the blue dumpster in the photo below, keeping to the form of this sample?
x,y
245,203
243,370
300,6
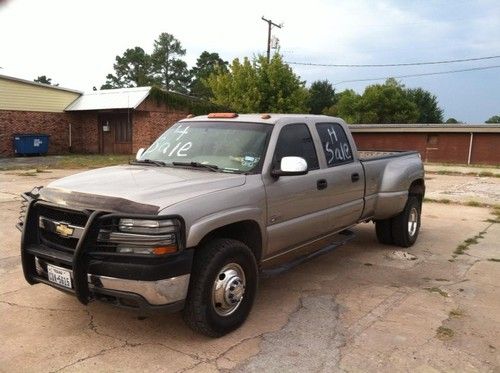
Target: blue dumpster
x,y
33,143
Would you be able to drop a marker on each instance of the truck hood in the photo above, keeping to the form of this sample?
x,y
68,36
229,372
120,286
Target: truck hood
x,y
138,189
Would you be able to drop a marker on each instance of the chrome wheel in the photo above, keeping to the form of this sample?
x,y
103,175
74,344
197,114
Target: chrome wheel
x,y
413,222
228,289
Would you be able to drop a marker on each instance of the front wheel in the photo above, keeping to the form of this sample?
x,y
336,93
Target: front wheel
x,y
406,225
222,289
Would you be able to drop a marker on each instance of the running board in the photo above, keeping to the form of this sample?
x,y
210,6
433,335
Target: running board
x,y
342,238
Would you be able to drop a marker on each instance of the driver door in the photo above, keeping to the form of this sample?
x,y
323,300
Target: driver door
x,y
294,203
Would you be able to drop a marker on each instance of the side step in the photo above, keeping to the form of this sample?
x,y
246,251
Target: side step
x,y
340,239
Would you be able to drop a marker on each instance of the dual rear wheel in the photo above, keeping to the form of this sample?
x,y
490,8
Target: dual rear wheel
x,y
401,230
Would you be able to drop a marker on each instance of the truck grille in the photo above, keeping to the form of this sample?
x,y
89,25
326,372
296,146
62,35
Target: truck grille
x,y
60,228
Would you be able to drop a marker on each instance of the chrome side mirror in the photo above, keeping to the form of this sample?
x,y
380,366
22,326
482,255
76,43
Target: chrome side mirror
x,y
291,166
139,153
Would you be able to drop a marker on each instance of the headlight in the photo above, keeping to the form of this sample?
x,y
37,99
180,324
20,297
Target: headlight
x,y
142,236
147,226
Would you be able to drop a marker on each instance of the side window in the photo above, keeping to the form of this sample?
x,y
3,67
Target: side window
x,y
334,143
295,140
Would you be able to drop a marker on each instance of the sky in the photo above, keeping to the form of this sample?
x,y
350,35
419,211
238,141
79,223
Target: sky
x,y
75,42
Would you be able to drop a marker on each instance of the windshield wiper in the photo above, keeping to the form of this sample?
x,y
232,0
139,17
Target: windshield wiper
x,y
210,167
150,161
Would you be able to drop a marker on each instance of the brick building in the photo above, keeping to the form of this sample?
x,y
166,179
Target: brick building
x,y
447,143
113,121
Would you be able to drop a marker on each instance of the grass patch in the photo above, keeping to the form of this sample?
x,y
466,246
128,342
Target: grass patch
x,y
475,204
494,260
441,200
438,291
368,264
71,161
441,279
464,246
444,333
461,249
456,313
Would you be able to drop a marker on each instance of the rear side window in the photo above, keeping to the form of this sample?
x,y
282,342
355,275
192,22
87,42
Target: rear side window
x,y
334,143
295,140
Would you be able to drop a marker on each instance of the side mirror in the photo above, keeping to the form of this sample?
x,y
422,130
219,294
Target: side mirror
x,y
291,166
139,153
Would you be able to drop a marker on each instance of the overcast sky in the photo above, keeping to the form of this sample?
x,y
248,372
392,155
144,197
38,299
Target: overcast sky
x,y
75,42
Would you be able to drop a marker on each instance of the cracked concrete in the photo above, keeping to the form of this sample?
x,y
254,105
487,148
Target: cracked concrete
x,y
359,308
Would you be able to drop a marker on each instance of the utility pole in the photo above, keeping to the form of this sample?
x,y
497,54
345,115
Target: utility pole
x,y
270,24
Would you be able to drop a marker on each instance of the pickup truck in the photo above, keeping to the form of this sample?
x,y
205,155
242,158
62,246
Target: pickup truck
x,y
213,204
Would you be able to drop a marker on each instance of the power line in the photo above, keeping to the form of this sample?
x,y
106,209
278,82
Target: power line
x,y
392,64
417,75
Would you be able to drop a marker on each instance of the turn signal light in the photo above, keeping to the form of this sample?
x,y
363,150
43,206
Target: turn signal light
x,y
162,250
222,115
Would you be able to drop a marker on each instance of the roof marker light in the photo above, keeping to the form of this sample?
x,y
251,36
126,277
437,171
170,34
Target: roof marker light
x,y
265,116
222,115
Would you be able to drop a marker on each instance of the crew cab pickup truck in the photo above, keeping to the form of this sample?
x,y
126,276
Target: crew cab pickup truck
x,y
213,204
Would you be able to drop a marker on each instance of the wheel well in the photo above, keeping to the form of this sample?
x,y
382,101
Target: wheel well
x,y
246,231
417,188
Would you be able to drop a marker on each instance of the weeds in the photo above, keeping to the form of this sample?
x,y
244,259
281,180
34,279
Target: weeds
x,y
444,333
456,313
438,291
494,260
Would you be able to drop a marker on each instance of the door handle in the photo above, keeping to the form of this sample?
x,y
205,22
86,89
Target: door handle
x,y
321,184
354,177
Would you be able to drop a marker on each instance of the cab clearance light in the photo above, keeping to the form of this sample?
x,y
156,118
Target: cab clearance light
x,y
222,115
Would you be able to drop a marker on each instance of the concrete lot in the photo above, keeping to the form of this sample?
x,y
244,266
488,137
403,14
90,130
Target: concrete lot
x,y
363,307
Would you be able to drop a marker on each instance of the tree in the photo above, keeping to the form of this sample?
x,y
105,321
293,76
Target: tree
x,y
44,80
427,104
259,86
322,96
206,64
494,119
132,69
380,103
170,70
347,107
452,121
387,103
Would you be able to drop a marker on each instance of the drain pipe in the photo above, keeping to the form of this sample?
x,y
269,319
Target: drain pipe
x,y
69,137
470,147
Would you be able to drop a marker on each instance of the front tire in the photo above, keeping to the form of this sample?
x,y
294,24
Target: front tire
x,y
222,289
406,225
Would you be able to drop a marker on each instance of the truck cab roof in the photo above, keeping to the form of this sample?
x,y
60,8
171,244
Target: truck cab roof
x,y
270,118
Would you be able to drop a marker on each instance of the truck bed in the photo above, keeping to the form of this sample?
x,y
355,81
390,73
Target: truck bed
x,y
370,155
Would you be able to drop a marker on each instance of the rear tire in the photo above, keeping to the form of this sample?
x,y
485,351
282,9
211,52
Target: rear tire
x,y
383,228
222,289
406,225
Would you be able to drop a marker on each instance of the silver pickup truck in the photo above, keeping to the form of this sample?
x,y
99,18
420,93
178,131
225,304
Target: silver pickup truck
x,y
214,203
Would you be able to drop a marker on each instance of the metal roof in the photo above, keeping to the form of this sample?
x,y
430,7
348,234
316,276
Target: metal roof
x,y
7,77
122,98
421,127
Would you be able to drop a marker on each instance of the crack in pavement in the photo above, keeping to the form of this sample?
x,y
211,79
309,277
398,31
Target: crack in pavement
x,y
33,307
301,345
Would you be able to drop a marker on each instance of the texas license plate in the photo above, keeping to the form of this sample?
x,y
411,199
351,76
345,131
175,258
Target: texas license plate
x,y
59,276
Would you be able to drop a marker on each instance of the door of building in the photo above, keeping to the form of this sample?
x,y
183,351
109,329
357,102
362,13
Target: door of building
x,y
115,133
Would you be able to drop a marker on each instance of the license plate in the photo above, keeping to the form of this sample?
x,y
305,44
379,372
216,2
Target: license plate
x,y
59,276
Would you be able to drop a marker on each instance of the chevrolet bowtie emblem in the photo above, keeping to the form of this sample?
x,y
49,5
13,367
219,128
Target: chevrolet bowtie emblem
x,y
64,230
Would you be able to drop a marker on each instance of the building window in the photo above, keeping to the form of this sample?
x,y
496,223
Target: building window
x,y
432,141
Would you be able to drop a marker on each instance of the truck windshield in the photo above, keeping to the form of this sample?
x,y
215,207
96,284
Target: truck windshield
x,y
230,146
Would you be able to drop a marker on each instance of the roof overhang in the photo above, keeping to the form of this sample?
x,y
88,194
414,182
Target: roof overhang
x,y
446,128
110,99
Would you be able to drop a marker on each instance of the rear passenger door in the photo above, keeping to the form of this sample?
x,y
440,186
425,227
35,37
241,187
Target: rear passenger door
x,y
344,176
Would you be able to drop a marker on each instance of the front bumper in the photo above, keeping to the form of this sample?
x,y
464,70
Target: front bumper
x,y
123,280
